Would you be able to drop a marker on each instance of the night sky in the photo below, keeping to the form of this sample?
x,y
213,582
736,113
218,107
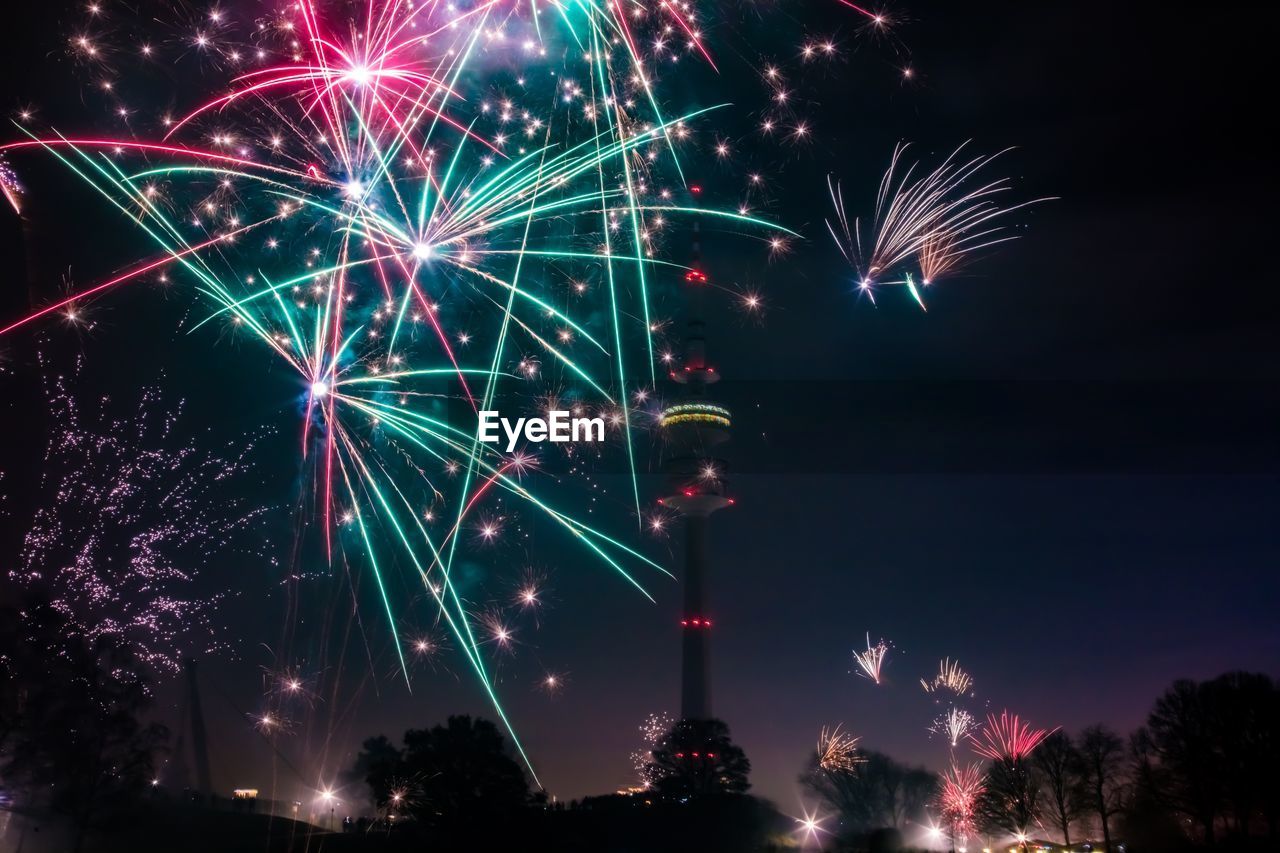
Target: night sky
x,y
1063,474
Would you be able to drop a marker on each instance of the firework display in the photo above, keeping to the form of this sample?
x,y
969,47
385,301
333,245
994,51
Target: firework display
x,y
404,401
409,204
1004,742
422,212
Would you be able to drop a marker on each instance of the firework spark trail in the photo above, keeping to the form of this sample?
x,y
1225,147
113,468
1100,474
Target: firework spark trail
x,y
872,660
954,725
877,18
938,221
132,518
1008,737
838,751
950,677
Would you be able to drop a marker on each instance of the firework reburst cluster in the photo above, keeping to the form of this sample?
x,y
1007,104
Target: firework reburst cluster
x,y
130,515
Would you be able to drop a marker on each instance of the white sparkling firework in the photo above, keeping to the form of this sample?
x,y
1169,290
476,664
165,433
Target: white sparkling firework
x,y
954,725
652,730
871,662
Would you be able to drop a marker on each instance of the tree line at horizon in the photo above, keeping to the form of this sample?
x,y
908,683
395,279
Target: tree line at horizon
x,y
1200,773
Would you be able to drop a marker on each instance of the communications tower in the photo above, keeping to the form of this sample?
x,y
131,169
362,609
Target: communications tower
x,y
693,428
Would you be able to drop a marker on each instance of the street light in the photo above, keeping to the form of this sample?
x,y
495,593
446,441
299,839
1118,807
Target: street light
x,y
332,802
809,828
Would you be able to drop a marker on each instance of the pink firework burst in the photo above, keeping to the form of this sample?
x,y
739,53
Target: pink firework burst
x,y
1007,736
960,788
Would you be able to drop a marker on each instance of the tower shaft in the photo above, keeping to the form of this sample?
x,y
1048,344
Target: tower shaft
x,y
695,671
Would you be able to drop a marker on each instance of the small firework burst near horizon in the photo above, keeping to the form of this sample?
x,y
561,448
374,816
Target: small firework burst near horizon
x,y
1008,737
871,662
652,730
838,750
